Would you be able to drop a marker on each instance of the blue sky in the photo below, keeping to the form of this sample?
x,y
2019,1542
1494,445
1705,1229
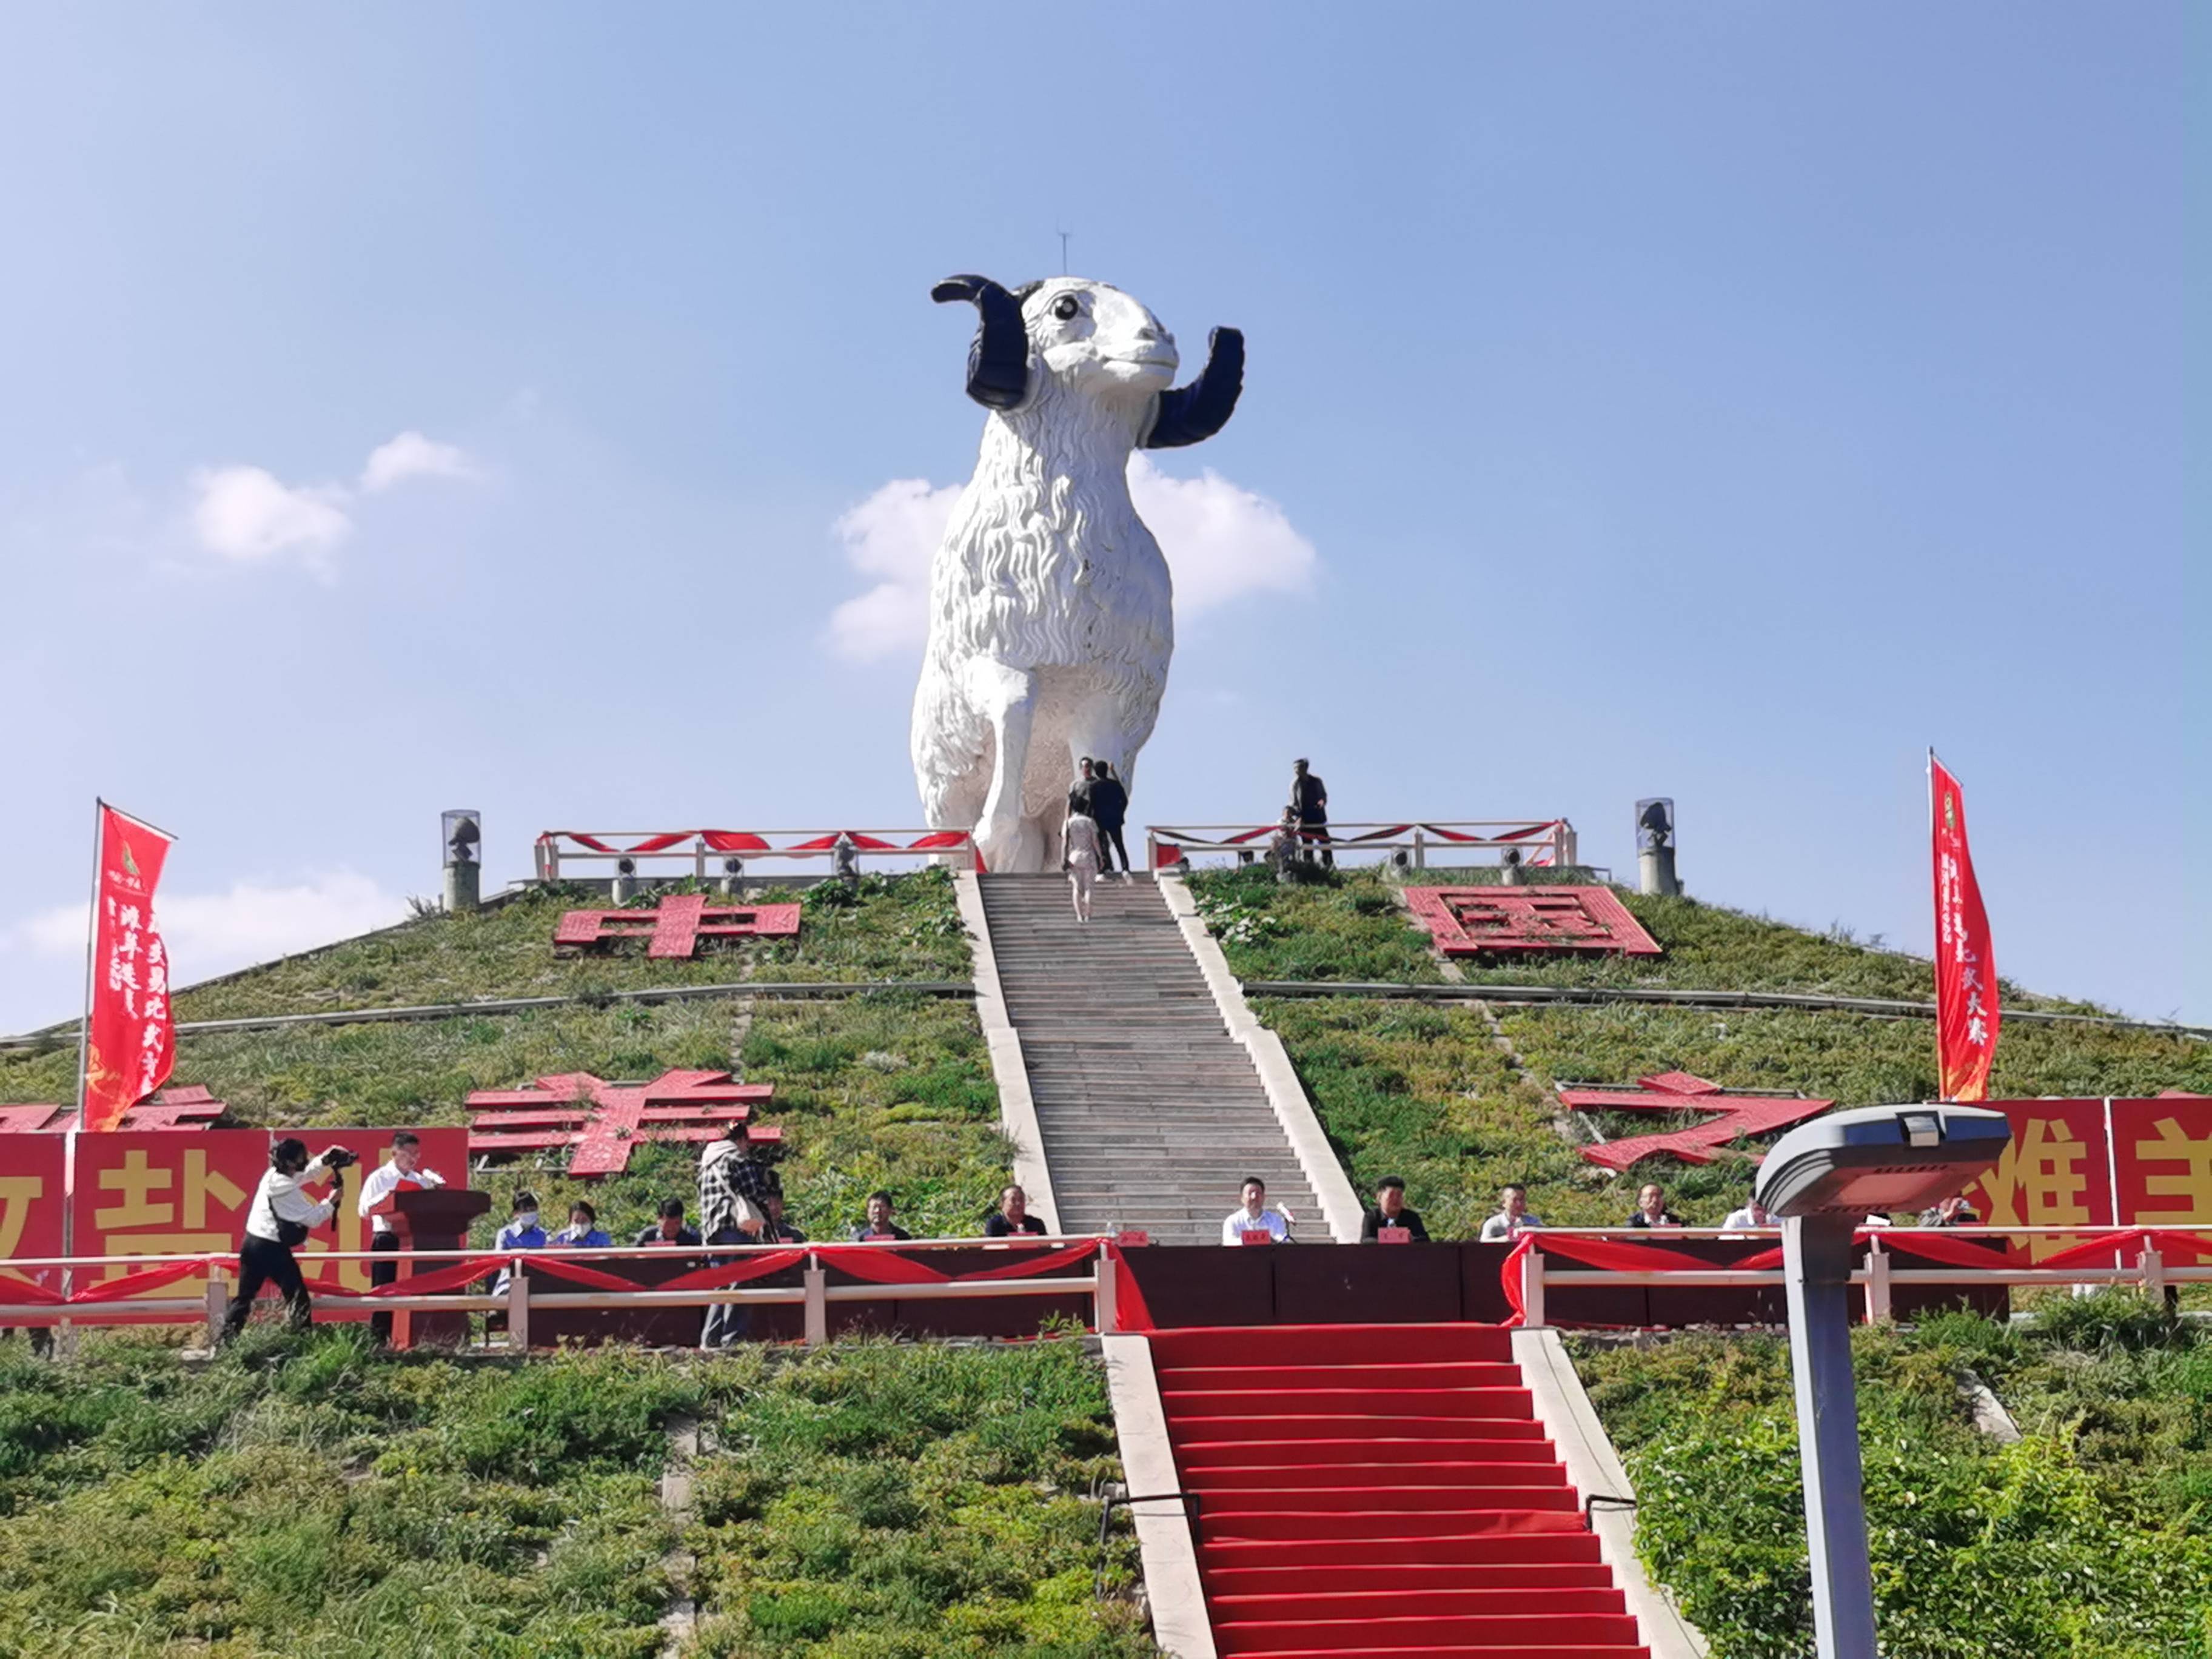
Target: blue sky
x,y
1721,402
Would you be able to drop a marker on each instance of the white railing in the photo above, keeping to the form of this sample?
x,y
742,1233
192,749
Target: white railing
x,y
1880,1276
814,1292
1535,842
706,850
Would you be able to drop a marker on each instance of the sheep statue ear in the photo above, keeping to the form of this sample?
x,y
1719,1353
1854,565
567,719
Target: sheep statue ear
x,y
1194,413
999,361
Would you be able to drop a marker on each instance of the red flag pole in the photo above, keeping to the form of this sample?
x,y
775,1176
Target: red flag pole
x,y
91,937
1936,885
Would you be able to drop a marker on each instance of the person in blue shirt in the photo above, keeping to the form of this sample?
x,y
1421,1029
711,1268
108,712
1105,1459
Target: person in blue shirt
x,y
583,1232
521,1233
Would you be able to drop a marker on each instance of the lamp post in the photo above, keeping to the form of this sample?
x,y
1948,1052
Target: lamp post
x,y
462,832
1822,1179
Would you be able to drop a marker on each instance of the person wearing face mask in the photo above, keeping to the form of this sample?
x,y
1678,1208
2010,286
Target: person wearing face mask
x,y
404,1169
522,1233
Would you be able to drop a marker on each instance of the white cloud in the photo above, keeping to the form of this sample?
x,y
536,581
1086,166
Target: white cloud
x,y
244,514
892,536
411,455
248,515
210,934
1222,541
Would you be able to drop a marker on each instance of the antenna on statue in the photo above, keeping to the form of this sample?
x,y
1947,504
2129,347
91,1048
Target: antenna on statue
x,y
1063,251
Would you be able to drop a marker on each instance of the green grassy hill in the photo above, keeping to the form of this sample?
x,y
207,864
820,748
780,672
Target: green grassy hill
x,y
1427,1090
307,1498
2088,1539
882,1089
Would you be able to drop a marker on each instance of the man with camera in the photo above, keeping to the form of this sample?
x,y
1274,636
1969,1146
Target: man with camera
x,y
280,1220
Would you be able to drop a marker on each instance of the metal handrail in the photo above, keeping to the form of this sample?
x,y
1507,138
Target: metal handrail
x,y
548,852
1419,837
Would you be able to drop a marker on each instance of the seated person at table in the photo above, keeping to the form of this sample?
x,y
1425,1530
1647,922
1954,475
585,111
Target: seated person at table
x,y
521,1233
1953,1211
879,1225
582,1232
1256,1215
1390,1210
1513,1218
670,1228
777,1229
1012,1216
1651,1209
1752,1214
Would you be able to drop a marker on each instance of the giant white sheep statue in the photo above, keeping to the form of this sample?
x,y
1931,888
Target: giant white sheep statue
x,y
1052,613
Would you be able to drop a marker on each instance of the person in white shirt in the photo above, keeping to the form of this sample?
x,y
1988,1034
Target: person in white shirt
x,y
1752,1215
405,1164
281,1217
1080,836
1512,1218
1256,1215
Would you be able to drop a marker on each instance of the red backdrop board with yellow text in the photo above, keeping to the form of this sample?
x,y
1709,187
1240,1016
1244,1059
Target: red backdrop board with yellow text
x,y
2162,1157
2098,1164
31,1201
169,1195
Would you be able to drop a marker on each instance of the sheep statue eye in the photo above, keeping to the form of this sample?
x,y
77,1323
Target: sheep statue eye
x,y
1065,306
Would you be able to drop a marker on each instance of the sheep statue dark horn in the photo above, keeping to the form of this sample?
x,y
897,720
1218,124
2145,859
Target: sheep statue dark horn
x,y
1194,413
998,360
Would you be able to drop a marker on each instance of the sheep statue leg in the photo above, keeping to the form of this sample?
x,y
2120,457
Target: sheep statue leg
x,y
1007,698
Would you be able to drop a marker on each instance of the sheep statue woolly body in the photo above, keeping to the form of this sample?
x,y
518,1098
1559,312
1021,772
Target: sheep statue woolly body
x,y
1052,613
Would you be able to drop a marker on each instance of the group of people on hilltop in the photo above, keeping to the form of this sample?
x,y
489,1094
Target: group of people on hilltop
x,y
1098,809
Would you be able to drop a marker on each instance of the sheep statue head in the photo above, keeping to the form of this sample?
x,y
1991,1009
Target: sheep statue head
x,y
1052,615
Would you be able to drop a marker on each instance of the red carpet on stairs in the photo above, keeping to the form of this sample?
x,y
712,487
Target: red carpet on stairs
x,y
1381,1492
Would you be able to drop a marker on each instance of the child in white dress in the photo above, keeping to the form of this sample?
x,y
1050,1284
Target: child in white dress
x,y
1081,839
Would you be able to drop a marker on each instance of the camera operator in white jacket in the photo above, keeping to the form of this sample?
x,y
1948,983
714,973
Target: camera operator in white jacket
x,y
280,1218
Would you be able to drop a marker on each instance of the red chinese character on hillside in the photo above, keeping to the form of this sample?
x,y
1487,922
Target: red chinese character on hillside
x,y
676,926
1734,1116
601,1121
1466,921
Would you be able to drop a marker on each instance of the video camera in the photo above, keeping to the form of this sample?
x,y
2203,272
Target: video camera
x,y
338,1158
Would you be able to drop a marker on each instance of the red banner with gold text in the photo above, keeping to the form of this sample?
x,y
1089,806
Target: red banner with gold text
x,y
1966,968
131,1042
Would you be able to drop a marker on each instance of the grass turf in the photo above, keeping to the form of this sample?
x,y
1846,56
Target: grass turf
x,y
307,1496
890,927
884,1089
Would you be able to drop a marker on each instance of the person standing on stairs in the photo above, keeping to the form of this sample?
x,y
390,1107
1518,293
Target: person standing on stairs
x,y
1080,837
1256,1215
1110,810
1079,794
1309,800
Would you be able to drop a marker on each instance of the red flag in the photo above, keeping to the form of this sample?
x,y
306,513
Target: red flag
x,y
131,1039
1966,968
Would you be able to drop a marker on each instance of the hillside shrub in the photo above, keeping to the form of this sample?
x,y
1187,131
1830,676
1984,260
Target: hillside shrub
x,y
2056,1547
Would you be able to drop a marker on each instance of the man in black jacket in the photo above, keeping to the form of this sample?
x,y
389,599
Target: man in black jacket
x,y
1391,1210
1110,810
1309,801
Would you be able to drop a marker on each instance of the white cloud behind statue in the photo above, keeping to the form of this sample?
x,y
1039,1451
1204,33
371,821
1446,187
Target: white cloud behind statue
x,y
1223,542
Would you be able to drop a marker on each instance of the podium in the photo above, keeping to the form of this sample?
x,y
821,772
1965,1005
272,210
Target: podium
x,y
430,1218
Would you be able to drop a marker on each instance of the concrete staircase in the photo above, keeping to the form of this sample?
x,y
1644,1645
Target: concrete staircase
x,y
1151,1112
